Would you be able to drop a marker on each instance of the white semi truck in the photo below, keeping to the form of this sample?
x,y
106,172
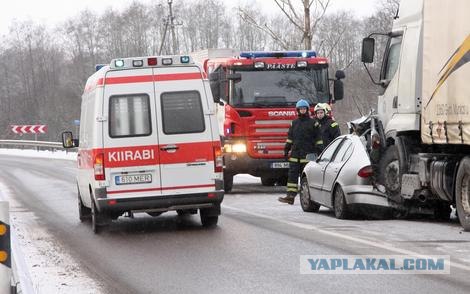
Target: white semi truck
x,y
421,139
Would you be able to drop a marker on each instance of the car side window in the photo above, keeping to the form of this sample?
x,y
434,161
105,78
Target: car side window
x,y
328,153
339,157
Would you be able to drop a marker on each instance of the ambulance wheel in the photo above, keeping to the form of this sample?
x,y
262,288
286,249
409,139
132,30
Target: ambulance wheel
x,y
84,213
98,219
209,221
228,183
265,181
209,216
462,193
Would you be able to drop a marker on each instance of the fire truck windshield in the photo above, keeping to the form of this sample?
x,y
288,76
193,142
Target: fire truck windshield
x,y
279,88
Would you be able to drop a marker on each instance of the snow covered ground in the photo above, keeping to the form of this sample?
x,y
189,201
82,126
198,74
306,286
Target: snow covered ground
x,y
42,265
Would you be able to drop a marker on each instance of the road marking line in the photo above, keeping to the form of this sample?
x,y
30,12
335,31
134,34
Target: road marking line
x,y
376,244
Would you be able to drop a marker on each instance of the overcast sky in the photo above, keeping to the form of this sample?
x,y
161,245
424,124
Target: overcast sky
x,y
51,12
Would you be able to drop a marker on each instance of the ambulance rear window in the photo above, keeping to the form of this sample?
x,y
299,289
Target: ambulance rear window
x,y
182,112
129,116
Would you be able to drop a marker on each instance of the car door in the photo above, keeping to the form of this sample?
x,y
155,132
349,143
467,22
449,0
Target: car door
x,y
185,136
334,167
316,180
131,156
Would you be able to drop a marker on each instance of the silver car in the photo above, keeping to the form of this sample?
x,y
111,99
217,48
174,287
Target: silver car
x,y
340,178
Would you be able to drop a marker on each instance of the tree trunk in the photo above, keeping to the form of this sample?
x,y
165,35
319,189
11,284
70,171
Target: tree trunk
x,y
307,32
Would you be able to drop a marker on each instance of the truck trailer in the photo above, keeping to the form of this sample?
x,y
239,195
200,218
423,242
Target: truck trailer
x,y
422,135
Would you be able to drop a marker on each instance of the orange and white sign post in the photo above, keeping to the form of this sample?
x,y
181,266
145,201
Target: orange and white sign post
x,y
5,248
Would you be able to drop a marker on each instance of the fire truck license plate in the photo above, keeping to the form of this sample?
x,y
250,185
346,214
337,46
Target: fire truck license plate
x,y
280,165
133,179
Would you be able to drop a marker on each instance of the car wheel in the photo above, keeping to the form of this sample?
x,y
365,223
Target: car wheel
x,y
98,219
462,193
305,202
228,183
389,173
265,181
84,213
340,206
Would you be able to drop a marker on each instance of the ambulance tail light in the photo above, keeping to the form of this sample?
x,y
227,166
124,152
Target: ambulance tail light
x,y
218,160
98,167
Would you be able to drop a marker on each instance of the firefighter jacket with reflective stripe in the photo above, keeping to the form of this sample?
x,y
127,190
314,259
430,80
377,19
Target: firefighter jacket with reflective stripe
x,y
329,131
303,133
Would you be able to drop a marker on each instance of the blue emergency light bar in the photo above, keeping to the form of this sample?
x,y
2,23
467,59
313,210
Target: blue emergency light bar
x,y
260,54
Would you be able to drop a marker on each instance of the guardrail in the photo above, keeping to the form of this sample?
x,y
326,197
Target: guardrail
x,y
32,143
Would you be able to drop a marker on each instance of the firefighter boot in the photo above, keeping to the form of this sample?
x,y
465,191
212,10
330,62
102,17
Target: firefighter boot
x,y
289,199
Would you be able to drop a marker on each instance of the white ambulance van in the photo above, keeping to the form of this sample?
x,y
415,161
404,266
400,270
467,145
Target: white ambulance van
x,y
148,142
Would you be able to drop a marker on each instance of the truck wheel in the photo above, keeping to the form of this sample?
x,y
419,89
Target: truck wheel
x,y
84,213
228,183
340,206
98,219
307,204
265,181
389,173
462,193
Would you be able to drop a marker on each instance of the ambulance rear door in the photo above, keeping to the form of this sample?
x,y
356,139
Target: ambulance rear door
x,y
130,134
185,135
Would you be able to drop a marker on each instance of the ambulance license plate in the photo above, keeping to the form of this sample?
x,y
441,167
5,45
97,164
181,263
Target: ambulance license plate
x,y
280,165
133,179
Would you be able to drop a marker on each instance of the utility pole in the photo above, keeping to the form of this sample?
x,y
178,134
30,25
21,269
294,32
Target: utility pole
x,y
170,21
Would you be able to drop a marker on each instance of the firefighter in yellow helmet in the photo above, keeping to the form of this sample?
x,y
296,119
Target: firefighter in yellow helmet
x,y
301,138
328,127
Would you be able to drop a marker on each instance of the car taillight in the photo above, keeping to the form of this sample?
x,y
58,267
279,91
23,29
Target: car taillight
x,y
365,172
218,160
98,166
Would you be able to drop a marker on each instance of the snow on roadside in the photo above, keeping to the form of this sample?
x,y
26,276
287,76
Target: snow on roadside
x,y
41,153
51,268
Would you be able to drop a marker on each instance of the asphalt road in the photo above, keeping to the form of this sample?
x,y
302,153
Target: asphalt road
x,y
255,248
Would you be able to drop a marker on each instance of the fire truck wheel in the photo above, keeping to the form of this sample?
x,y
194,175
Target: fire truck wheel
x,y
228,183
442,211
266,181
84,213
462,193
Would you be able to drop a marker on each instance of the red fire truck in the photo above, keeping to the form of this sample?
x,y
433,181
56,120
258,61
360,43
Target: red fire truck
x,y
257,92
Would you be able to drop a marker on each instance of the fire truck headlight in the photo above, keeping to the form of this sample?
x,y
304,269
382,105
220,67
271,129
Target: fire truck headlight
x,y
239,148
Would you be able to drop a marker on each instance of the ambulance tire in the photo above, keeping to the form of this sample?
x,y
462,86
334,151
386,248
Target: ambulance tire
x,y
99,220
84,213
209,217
228,183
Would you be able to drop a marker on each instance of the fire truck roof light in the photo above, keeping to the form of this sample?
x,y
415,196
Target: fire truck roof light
x,y
259,64
302,63
260,54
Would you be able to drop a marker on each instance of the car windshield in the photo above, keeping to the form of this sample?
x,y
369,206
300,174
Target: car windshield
x,y
280,88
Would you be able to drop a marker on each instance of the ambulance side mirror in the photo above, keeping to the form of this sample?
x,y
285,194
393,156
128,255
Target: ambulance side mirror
x,y
68,141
